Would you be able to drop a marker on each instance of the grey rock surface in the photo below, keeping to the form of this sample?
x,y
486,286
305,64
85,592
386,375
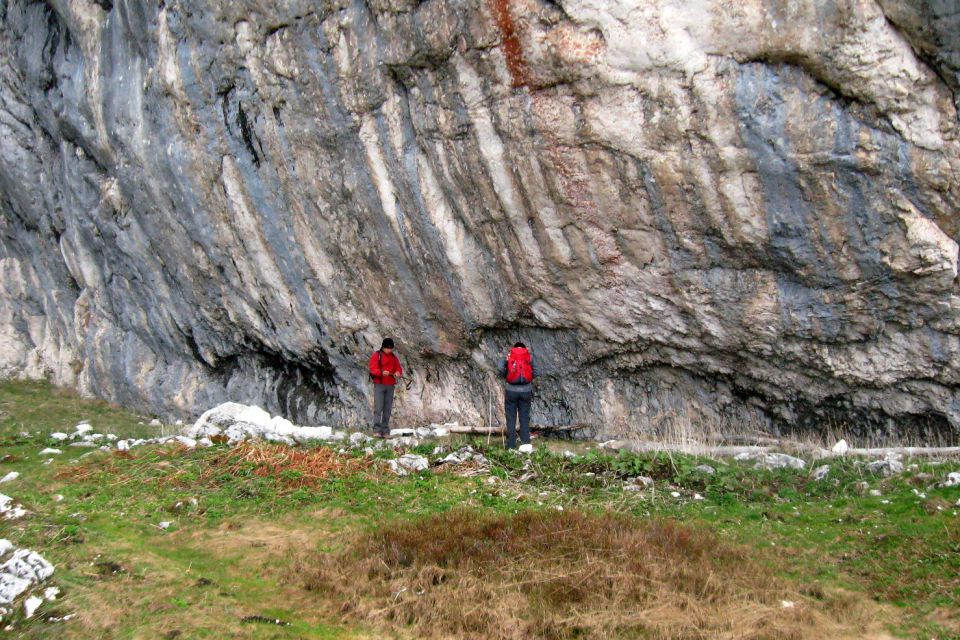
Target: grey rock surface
x,y
779,461
746,212
821,472
409,462
887,467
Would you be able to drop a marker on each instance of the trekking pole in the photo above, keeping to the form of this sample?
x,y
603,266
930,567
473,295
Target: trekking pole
x,y
503,436
489,416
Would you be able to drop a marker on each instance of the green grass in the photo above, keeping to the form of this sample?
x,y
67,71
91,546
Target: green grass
x,y
230,552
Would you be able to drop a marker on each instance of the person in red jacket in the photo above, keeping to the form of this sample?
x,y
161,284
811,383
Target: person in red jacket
x,y
518,371
384,370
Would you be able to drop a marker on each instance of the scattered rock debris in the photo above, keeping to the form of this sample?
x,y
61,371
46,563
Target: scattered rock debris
x,y
409,462
22,571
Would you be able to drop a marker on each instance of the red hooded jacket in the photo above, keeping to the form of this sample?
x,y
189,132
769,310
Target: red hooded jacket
x,y
380,362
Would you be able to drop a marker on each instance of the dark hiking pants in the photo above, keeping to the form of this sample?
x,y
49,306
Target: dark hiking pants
x,y
517,402
382,406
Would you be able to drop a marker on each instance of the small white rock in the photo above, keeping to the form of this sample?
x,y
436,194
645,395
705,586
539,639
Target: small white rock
x,y
788,604
675,494
820,472
59,436
165,524
49,452
525,448
189,443
841,447
953,479
156,423
9,509
31,605
82,428
10,477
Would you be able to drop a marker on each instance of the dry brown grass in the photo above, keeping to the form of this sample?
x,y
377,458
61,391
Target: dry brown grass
x,y
293,468
569,575
113,463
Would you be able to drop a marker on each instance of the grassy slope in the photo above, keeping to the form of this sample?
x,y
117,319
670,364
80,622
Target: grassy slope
x,y
233,554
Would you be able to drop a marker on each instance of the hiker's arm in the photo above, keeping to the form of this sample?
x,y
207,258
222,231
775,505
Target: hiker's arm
x,y
375,366
503,367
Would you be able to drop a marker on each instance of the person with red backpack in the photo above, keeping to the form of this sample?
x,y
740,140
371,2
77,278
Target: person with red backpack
x,y
384,370
518,372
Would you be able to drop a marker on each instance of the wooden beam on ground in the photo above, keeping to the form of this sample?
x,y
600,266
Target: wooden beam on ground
x,y
468,430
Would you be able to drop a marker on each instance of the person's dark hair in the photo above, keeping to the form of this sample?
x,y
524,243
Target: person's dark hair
x,y
387,343
520,344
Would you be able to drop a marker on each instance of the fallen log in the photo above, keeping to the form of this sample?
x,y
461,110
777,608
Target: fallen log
x,y
544,429
468,430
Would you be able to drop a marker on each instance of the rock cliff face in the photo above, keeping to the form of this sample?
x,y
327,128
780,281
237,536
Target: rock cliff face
x,y
723,211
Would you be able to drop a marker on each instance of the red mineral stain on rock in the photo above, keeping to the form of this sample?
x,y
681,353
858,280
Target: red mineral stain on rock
x,y
510,40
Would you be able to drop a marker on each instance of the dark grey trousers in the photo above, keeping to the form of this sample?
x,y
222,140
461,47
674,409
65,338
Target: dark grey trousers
x,y
514,403
382,406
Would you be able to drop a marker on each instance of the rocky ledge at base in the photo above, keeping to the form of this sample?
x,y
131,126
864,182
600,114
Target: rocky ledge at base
x,y
233,422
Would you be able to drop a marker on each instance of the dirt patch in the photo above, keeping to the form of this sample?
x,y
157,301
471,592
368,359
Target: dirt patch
x,y
269,539
109,569
570,575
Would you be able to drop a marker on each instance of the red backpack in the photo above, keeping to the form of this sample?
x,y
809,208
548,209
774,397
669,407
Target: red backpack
x,y
519,367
